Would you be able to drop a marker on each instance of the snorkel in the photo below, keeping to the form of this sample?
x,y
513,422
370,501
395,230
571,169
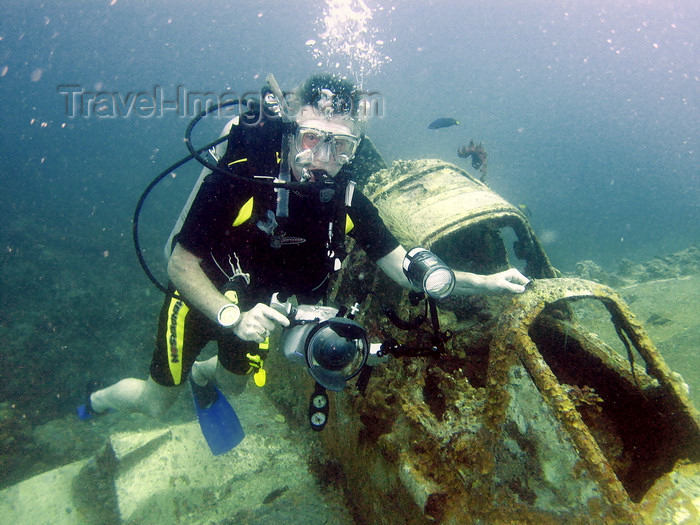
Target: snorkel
x,y
275,99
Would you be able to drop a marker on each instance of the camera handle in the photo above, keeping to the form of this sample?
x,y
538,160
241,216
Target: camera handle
x,y
283,306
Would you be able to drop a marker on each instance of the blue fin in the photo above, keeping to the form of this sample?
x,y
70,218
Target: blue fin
x,y
84,413
217,419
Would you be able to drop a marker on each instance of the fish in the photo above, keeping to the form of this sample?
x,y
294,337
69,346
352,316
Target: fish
x,y
525,209
272,496
657,320
443,123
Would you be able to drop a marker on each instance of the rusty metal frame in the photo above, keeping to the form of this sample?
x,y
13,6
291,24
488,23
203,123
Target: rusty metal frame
x,y
512,339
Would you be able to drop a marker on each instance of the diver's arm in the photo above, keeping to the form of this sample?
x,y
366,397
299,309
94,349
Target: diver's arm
x,y
190,280
467,283
391,264
510,280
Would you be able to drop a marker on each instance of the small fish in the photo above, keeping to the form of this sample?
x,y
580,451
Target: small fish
x,y
443,123
525,209
657,320
272,496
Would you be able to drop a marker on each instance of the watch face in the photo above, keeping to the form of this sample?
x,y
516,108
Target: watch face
x,y
229,315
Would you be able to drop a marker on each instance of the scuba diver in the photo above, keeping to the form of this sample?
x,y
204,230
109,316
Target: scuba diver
x,y
243,239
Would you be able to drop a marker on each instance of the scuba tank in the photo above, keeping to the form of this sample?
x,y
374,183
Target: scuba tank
x,y
273,104
216,152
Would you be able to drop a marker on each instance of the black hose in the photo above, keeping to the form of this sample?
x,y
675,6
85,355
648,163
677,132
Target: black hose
x,y
399,323
194,153
312,187
306,187
139,205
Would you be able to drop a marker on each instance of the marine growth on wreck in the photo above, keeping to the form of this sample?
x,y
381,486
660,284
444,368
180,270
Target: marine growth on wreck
x,y
514,407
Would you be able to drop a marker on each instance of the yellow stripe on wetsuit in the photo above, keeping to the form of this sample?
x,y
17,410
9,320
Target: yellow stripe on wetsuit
x,y
175,337
247,209
244,213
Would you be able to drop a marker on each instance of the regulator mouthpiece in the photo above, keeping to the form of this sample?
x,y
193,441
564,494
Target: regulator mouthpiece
x,y
304,158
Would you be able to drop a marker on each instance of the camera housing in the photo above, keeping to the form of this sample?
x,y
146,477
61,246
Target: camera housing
x,y
334,349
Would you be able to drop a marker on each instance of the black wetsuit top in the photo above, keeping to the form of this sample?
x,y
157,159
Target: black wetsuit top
x,y
296,260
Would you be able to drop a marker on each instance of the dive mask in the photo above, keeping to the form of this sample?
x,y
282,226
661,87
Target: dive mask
x,y
324,146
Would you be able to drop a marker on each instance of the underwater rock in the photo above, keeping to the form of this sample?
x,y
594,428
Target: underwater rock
x,y
169,475
679,264
591,271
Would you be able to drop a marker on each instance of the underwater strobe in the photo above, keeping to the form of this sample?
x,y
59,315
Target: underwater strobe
x,y
427,272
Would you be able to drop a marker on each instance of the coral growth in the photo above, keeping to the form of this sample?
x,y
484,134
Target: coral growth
x,y
478,155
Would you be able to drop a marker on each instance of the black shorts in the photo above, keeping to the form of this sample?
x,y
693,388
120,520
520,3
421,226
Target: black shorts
x,y
182,334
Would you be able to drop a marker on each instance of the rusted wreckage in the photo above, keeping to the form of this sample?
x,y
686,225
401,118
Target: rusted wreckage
x,y
523,415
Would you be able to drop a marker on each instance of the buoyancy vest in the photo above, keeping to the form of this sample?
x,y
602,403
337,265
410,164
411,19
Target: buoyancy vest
x,y
256,151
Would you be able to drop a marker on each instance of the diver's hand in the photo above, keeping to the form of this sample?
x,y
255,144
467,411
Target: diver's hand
x,y
510,280
257,323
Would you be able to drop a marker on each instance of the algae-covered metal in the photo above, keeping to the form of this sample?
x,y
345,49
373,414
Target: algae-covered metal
x,y
437,205
628,428
526,416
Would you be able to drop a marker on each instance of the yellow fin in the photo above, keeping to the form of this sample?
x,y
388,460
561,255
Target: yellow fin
x,y
260,377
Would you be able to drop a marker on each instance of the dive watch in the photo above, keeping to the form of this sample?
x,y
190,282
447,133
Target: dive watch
x,y
229,315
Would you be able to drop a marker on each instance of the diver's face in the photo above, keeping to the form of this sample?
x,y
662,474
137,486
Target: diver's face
x,y
320,143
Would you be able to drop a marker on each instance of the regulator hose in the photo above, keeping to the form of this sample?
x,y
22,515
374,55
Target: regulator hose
x,y
139,206
196,153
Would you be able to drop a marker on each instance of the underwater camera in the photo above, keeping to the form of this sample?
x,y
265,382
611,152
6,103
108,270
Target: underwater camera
x,y
332,347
